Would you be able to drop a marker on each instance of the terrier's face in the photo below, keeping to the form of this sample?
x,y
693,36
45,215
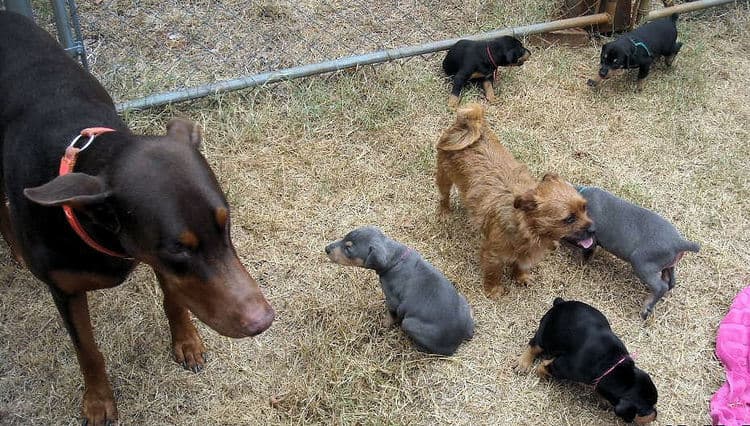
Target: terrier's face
x,y
555,210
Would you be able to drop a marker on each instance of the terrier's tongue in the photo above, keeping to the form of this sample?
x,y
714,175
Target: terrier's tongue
x,y
586,243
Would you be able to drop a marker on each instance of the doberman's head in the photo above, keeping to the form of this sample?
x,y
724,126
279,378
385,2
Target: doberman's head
x,y
163,203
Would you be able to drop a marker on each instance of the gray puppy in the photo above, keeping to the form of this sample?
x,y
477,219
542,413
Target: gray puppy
x,y
417,295
639,236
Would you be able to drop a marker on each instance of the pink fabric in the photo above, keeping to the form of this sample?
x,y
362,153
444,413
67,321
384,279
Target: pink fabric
x,y
730,405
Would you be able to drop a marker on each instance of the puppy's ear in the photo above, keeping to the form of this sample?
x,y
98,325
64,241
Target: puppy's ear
x,y
625,410
465,131
605,49
525,202
375,257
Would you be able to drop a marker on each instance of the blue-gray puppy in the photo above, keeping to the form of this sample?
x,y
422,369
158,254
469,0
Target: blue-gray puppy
x,y
417,295
639,236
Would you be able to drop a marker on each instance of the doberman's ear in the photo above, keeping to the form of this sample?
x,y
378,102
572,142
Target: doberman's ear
x,y
525,202
74,189
376,257
184,131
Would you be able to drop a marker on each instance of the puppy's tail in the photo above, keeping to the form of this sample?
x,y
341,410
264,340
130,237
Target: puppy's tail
x,y
690,246
465,131
557,301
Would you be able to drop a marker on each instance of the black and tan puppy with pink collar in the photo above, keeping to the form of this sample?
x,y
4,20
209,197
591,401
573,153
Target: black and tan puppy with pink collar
x,y
578,344
479,61
418,296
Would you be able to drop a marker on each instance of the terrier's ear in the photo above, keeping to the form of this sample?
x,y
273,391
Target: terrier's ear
x,y
525,202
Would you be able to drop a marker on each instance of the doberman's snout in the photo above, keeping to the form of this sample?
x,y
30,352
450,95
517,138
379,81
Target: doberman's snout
x,y
329,248
257,320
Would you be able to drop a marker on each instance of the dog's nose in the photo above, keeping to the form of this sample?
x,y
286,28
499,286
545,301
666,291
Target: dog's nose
x,y
258,320
328,249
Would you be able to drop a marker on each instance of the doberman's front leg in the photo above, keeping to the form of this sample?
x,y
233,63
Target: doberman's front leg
x,y
187,346
99,406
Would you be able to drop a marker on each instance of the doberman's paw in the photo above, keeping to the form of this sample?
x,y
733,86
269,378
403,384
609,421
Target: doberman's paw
x,y
99,408
190,352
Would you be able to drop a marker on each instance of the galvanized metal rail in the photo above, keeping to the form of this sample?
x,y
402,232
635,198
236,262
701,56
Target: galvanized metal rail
x,y
389,55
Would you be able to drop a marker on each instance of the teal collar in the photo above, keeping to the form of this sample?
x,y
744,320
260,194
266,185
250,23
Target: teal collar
x,y
640,44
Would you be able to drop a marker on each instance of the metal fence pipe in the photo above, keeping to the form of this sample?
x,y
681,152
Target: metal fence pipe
x,y
686,7
349,62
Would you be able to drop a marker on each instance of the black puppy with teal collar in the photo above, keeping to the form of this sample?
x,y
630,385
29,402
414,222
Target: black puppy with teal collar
x,y
639,49
579,345
417,295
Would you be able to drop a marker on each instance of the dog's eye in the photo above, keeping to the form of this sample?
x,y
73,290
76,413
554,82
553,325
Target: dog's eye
x,y
570,219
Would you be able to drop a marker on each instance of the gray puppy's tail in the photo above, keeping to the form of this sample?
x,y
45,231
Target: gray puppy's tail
x,y
690,246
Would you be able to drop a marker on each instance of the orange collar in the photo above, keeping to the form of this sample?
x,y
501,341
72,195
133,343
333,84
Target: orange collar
x,y
67,163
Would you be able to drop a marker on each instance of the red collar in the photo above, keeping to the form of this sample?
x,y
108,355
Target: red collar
x,y
489,55
67,163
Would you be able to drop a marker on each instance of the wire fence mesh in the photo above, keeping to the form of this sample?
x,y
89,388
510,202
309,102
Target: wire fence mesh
x,y
137,48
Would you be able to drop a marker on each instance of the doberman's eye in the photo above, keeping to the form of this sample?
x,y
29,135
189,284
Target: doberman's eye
x,y
570,219
177,248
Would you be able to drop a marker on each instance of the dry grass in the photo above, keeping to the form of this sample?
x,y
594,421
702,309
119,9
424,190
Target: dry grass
x,y
305,162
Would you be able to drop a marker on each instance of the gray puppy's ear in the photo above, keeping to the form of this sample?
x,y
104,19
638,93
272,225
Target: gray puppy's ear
x,y
375,257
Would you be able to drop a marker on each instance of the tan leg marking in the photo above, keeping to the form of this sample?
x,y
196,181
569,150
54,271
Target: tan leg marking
x,y
528,357
542,370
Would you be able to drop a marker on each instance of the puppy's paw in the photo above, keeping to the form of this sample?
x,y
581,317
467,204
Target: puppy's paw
x,y
524,364
592,83
645,314
543,369
388,320
453,101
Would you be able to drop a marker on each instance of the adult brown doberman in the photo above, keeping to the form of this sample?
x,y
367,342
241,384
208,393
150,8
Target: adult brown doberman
x,y
150,199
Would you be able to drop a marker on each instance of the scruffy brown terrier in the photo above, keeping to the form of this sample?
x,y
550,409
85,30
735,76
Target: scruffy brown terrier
x,y
520,219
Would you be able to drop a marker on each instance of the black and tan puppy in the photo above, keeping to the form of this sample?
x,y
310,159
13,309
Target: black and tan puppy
x,y
417,295
639,49
479,60
579,345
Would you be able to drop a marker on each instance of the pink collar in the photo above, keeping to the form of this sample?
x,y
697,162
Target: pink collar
x,y
599,379
67,163
489,55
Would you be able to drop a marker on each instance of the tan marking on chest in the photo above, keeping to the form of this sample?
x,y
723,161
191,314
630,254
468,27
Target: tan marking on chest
x,y
478,75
